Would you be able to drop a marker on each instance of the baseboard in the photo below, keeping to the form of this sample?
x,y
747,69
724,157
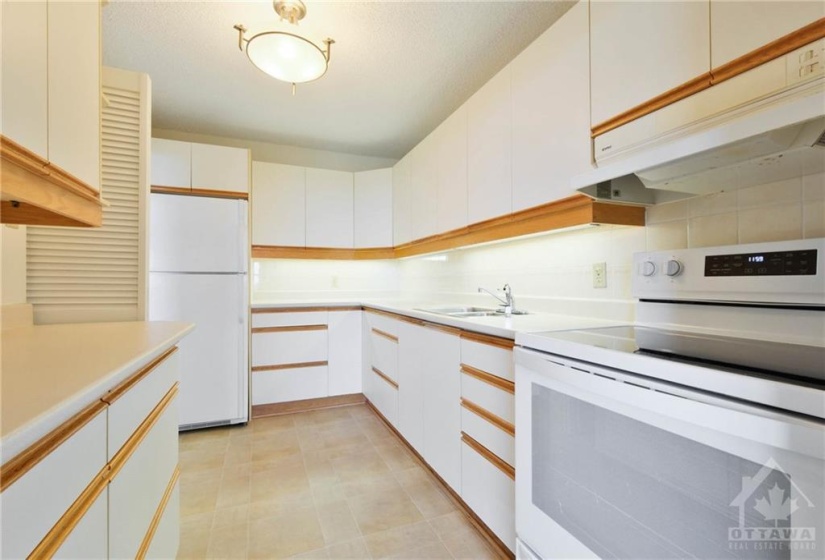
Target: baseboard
x,y
276,409
497,544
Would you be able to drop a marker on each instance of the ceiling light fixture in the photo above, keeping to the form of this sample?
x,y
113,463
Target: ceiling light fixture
x,y
286,56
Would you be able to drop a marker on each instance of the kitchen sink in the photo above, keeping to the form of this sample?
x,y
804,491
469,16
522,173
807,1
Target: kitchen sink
x,y
469,311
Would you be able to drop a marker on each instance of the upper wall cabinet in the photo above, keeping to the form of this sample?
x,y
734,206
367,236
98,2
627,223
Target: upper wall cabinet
x,y
51,99
401,202
740,27
278,204
424,188
329,208
489,150
640,50
199,167
372,207
451,159
551,111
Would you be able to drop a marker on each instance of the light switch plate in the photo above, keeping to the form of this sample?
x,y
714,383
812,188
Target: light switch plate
x,y
600,275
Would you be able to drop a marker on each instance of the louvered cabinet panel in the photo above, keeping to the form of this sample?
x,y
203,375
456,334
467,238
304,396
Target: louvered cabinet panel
x,y
79,275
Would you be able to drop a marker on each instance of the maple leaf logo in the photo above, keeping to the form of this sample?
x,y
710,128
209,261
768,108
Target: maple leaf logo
x,y
776,507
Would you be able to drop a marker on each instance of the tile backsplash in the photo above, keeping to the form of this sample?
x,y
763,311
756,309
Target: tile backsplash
x,y
553,272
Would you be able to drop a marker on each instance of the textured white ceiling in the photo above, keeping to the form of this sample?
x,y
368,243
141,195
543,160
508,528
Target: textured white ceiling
x,y
397,68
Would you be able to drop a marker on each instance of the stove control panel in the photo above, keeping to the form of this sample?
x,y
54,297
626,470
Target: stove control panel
x,y
774,263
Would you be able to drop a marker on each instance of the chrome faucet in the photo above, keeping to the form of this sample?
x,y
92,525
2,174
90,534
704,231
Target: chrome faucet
x,y
508,302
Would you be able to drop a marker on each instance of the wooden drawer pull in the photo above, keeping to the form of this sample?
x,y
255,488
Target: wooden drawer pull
x,y
385,377
257,369
489,378
505,343
385,335
497,461
497,421
297,328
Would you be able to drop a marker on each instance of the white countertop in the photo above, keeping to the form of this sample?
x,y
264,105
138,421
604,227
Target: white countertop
x,y
51,372
504,327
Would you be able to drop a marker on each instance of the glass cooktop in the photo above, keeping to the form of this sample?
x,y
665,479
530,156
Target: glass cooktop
x,y
770,357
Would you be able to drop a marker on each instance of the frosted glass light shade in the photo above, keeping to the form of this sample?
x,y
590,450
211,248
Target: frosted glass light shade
x,y
287,57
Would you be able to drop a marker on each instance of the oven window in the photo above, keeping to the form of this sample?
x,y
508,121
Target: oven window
x,y
626,489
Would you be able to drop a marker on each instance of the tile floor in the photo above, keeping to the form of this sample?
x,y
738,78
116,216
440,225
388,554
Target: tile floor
x,y
332,483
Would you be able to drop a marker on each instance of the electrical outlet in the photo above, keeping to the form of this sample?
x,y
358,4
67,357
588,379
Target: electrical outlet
x,y
600,275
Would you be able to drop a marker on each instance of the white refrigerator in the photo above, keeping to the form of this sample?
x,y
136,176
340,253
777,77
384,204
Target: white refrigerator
x,y
198,260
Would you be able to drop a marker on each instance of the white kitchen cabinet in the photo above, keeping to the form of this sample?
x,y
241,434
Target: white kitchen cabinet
x,y
166,541
451,155
329,212
292,345
171,163
90,537
372,194
74,88
278,204
490,493
551,111
344,352
441,380
401,202
640,50
380,374
412,352
290,384
25,75
424,188
276,317
738,28
489,150
220,168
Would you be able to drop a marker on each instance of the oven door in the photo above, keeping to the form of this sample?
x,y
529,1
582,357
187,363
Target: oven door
x,y
613,465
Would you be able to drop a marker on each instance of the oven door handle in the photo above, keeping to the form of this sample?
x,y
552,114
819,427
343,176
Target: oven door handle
x,y
718,422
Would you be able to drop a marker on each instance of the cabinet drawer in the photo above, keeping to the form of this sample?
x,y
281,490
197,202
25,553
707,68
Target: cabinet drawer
x,y
488,434
384,396
490,392
32,504
132,402
285,385
290,346
137,489
490,493
167,535
488,357
90,537
383,323
288,318
384,355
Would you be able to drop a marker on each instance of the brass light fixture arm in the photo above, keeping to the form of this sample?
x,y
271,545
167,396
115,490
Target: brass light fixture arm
x,y
241,30
328,42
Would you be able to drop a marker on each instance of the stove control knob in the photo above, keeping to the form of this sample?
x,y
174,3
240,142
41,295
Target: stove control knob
x,y
648,268
673,268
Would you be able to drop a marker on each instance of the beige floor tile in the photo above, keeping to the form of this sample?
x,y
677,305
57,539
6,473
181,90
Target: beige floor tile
x,y
235,488
364,465
286,534
360,411
378,512
321,473
337,522
198,494
194,536
202,458
376,484
228,541
352,549
263,509
231,516
400,540
431,552
273,424
460,536
429,500
238,452
279,483
374,428
319,554
395,455
212,437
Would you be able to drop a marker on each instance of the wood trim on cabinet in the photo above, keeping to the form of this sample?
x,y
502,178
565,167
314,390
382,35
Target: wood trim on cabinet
x,y
385,377
383,334
576,210
36,192
128,448
153,526
497,461
23,462
485,531
773,50
186,191
324,253
298,365
293,328
493,419
489,378
121,389
258,310
277,409
490,340
455,331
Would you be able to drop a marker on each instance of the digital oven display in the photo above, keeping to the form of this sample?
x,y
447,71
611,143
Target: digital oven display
x,y
778,263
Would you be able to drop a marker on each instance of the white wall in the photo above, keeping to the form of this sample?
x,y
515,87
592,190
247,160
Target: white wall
x,y
13,265
279,153
553,272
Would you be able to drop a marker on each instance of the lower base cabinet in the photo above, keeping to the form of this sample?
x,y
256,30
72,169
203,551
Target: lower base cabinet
x,y
490,493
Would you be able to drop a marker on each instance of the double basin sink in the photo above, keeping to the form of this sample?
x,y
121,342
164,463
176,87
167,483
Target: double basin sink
x,y
469,311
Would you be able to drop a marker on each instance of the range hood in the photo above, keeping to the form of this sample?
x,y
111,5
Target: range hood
x,y
757,143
